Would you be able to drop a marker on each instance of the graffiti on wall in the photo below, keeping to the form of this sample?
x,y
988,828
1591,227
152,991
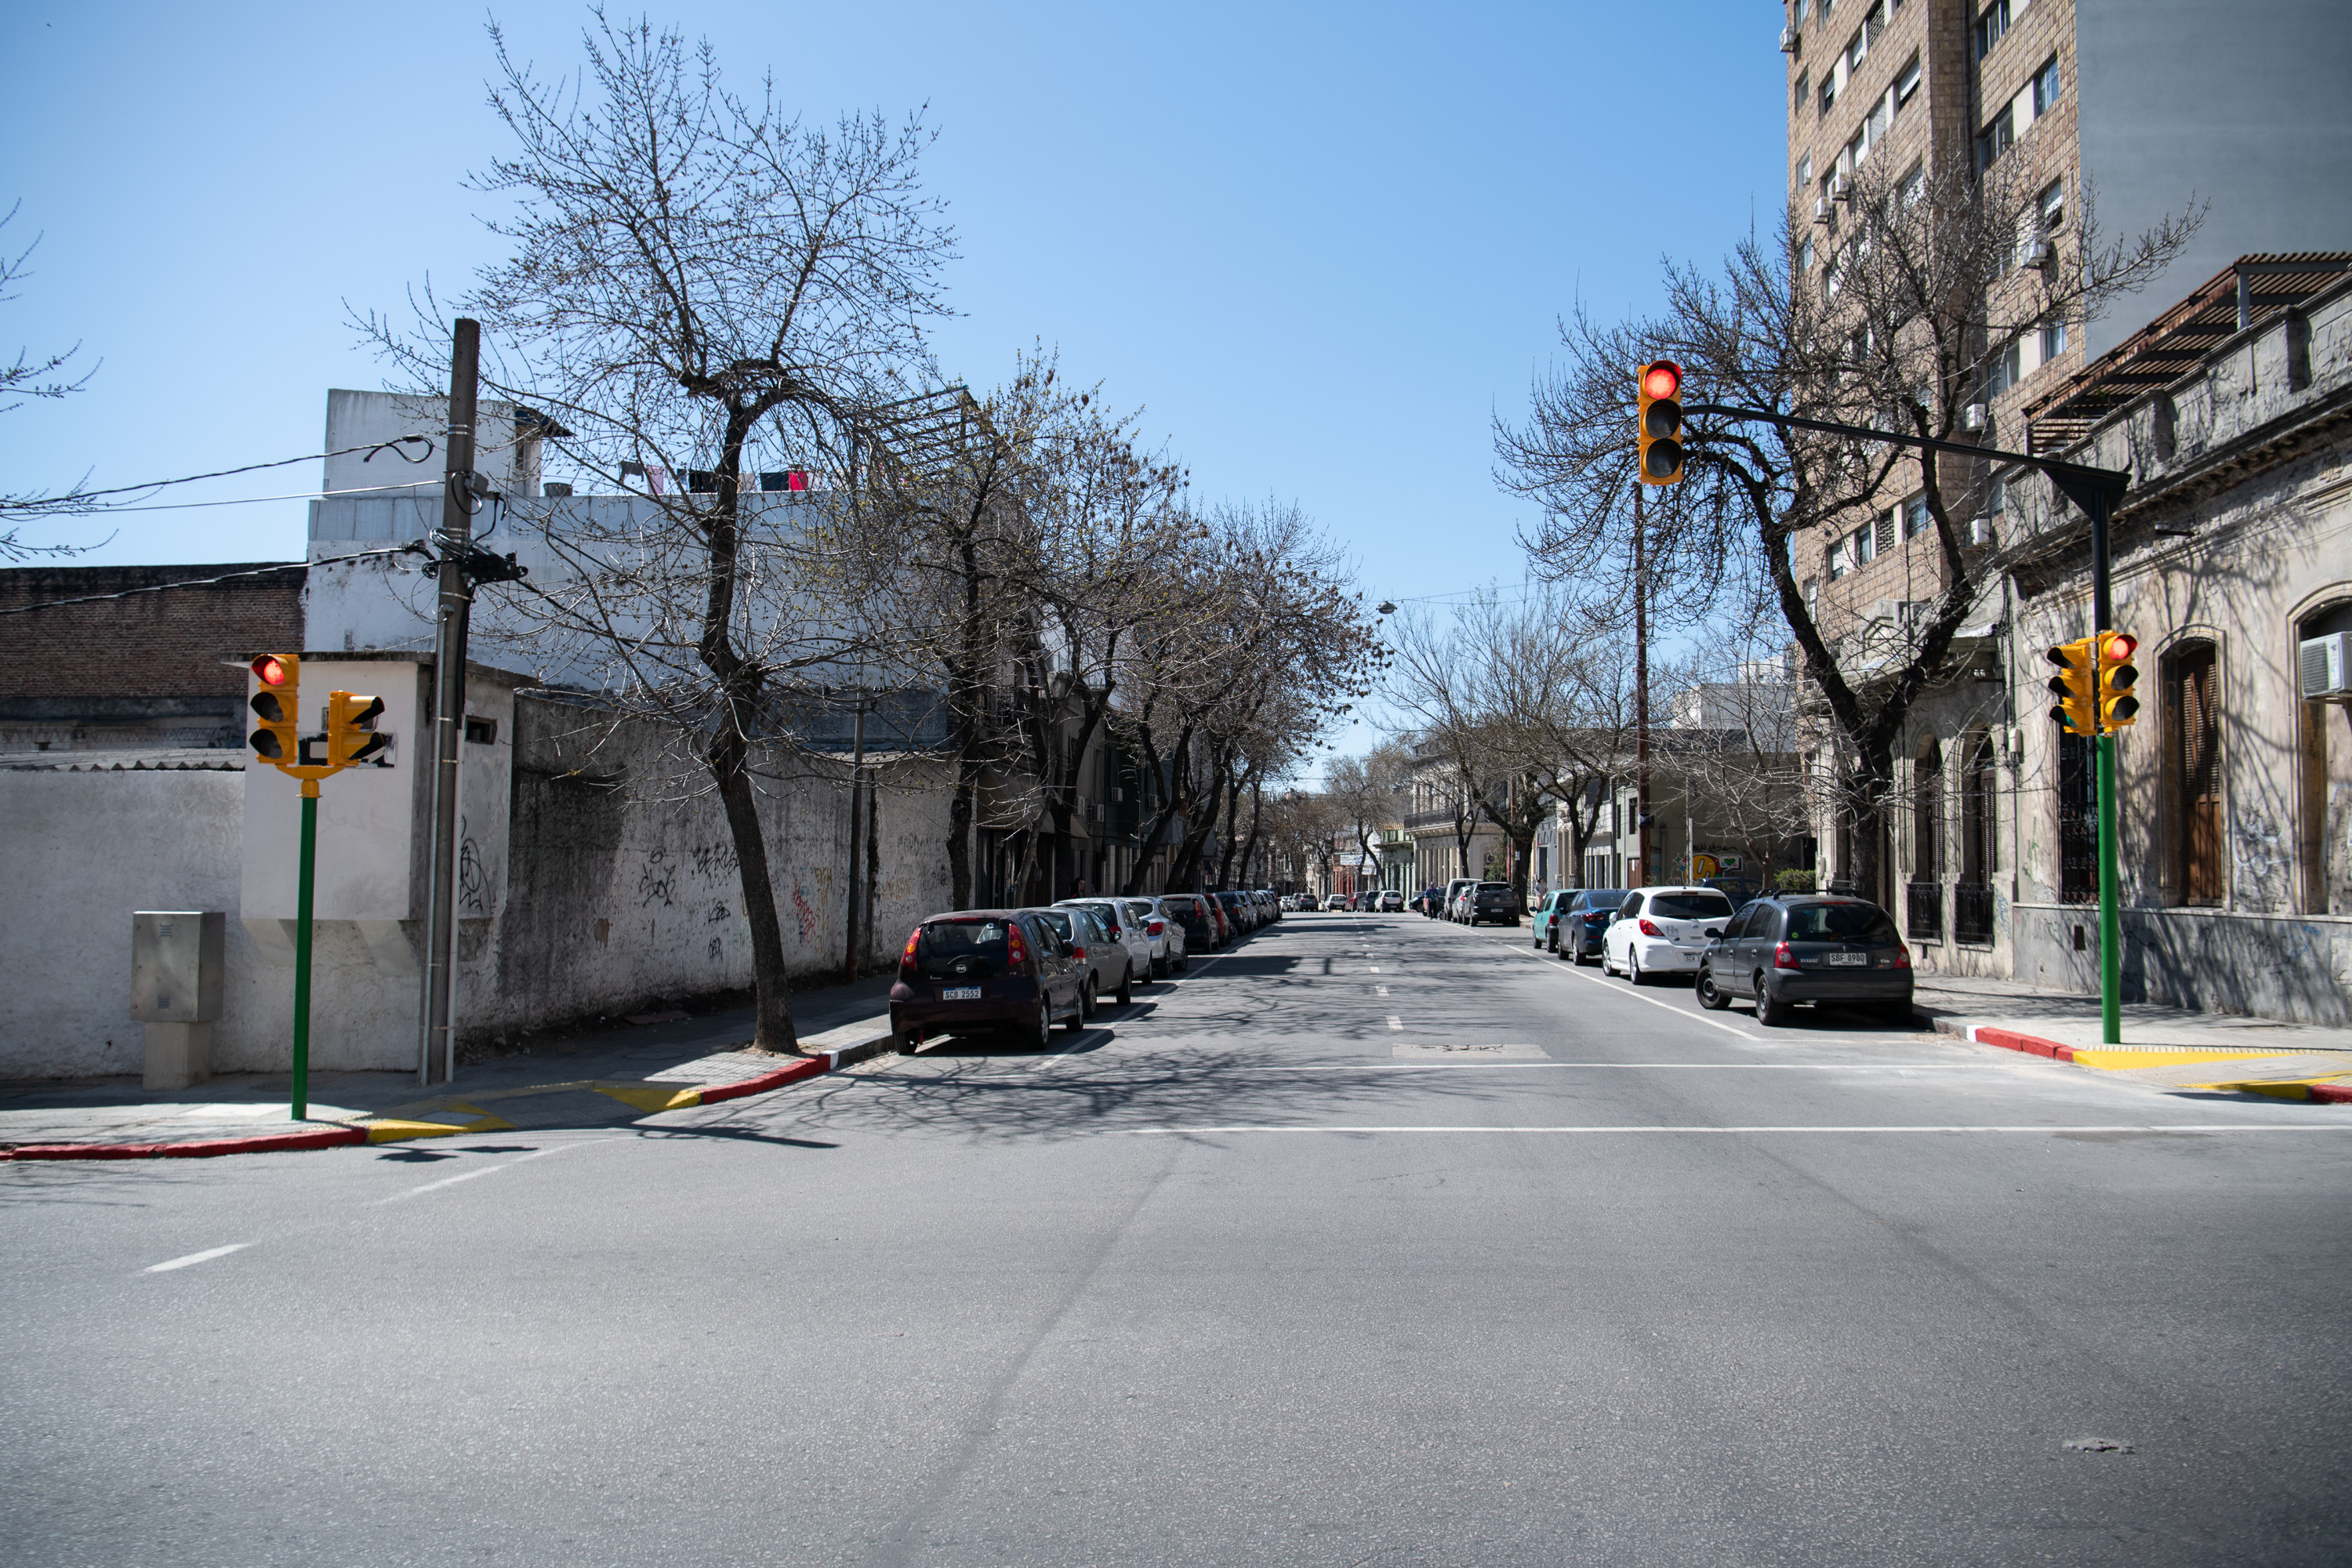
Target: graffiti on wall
x,y
658,883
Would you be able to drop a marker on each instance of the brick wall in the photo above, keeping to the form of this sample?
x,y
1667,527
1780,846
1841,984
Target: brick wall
x,y
167,644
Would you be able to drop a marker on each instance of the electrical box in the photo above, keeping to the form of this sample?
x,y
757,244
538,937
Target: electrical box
x,y
175,965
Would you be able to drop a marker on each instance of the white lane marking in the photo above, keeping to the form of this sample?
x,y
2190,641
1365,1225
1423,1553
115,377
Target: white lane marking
x,y
1376,969
1395,1022
1652,1001
1379,990
195,1258
2198,1127
482,1171
1637,1067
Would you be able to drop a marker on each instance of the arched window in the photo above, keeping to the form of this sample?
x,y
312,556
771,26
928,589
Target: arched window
x,y
2192,736
1924,899
2325,858
1972,897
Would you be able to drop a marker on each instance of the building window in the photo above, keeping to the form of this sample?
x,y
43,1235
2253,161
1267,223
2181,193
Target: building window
x,y
1864,548
2192,743
1882,536
1972,919
2078,820
1829,92
1924,902
2053,340
1993,23
1994,139
1802,8
1805,255
1804,90
2047,87
2004,371
1838,568
1996,497
1915,517
2049,207
1804,170
1907,82
1913,186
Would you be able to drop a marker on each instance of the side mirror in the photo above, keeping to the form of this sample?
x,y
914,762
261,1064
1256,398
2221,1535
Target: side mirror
x,y
1715,932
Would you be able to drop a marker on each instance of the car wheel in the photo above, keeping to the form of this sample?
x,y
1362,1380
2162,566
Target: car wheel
x,y
1041,1028
1159,967
1633,967
1184,964
906,1041
1126,984
1578,955
1710,996
1551,944
1087,999
1606,967
1770,1010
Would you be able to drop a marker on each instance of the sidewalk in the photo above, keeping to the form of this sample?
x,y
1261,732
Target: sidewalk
x,y
611,1078
2171,1047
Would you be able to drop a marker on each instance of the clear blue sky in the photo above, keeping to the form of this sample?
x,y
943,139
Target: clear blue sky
x,y
1320,245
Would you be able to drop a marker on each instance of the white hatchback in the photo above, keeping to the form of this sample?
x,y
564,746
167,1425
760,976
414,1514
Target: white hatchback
x,y
1663,930
1144,962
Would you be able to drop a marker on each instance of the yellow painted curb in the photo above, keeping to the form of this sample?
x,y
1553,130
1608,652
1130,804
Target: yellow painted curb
x,y
394,1130
649,1099
2124,1059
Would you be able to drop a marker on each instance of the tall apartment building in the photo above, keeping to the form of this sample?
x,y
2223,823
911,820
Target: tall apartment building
x,y
2150,107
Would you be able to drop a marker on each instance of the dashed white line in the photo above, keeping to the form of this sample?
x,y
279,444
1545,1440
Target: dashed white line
x,y
1379,990
194,1258
1395,1022
2183,1127
481,1170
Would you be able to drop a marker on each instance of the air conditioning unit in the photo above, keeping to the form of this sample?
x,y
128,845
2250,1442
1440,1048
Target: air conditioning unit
x,y
2327,667
1979,534
2037,253
1842,187
1821,209
1975,418
1788,41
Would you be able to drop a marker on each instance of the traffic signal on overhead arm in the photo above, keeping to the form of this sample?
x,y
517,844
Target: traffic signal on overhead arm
x,y
279,707
2118,706
351,728
2075,685
1658,421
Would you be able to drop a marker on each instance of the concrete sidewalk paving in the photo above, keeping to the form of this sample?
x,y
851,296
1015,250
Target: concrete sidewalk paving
x,y
2171,1047
611,1076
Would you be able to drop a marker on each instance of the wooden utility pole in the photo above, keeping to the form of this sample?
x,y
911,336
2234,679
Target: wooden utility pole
x,y
436,1055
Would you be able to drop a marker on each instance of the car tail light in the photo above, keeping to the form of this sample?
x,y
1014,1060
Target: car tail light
x,y
1649,927
1902,956
1784,959
1155,928
906,959
1079,954
1016,952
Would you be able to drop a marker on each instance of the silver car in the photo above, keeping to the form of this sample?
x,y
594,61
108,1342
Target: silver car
x,y
1173,924
1129,933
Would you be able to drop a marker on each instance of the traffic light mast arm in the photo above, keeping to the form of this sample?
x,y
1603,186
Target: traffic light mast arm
x,y
2079,481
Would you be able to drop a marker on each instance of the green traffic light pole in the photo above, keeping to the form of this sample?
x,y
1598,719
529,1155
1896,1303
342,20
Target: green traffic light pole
x,y
2095,491
309,864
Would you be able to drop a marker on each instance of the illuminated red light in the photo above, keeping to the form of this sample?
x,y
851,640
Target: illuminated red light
x,y
2121,645
269,669
1662,380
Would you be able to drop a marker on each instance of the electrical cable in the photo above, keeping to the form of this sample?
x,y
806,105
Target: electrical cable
x,y
370,448
412,548
416,487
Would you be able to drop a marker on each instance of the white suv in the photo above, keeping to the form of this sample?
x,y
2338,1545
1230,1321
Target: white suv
x,y
1663,930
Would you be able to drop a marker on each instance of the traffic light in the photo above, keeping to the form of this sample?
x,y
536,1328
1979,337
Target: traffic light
x,y
2118,706
278,704
351,728
1658,422
2076,686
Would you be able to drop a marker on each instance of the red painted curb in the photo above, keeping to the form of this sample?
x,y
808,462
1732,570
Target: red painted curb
x,y
767,1080
2031,1044
206,1149
2332,1093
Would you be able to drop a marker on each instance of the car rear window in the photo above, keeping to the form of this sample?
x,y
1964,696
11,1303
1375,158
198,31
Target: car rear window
x,y
1841,922
1689,906
1140,910
1603,898
973,948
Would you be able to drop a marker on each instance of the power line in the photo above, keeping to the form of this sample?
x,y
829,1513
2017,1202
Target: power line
x,y
426,488
57,503
414,548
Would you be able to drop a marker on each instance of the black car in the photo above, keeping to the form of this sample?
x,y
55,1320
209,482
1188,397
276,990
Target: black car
x,y
1495,901
972,969
1787,948
1577,930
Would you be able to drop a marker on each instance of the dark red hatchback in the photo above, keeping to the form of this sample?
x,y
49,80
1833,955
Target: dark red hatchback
x,y
986,969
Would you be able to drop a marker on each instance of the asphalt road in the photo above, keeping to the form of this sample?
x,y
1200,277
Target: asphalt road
x,y
1374,1241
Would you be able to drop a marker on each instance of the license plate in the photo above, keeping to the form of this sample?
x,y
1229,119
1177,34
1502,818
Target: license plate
x,y
1849,959
960,994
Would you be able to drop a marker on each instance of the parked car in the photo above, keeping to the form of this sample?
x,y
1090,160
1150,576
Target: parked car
x,y
1003,969
1190,912
1578,921
1454,891
1392,901
1788,948
1239,910
1274,903
1337,902
1169,937
1128,922
1663,930
1495,901
1219,917
1103,960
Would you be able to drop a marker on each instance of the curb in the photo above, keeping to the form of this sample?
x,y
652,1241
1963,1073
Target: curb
x,y
339,1137
2035,1045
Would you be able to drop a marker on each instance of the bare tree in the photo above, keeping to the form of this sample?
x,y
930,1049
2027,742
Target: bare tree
x,y
695,280
1368,791
1919,297
33,374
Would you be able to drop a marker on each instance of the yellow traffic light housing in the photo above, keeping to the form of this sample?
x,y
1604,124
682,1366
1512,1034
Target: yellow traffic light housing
x,y
2075,685
2117,676
1658,421
278,705
350,729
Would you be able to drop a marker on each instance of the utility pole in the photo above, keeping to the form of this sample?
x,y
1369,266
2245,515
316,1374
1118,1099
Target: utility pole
x,y
857,838
435,1054
2095,501
1641,694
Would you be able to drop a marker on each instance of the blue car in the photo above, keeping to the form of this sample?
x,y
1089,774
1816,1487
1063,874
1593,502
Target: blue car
x,y
1571,921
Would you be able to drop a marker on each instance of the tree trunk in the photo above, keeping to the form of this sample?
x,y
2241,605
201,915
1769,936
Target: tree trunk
x,y
960,813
